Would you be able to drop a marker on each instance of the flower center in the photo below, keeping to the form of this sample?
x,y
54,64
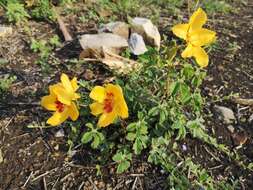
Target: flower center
x,y
108,102
59,106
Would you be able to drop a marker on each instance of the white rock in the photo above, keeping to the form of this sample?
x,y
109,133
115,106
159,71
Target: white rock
x,y
226,113
59,133
4,31
149,31
110,42
119,28
137,44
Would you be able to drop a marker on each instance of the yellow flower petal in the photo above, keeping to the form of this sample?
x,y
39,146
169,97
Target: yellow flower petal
x,y
201,56
58,118
123,109
48,102
52,87
66,83
98,94
74,84
76,96
107,119
180,30
198,19
73,112
115,90
63,96
120,105
96,108
188,52
202,37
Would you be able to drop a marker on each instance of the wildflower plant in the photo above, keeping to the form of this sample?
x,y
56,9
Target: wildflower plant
x,y
161,101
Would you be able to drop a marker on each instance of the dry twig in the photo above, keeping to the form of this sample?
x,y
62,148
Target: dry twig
x,y
242,101
29,177
135,181
94,185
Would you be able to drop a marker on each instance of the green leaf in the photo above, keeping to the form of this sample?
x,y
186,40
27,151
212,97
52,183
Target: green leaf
x,y
122,158
140,115
185,94
163,116
131,136
101,136
123,166
131,127
89,125
181,133
96,141
250,166
197,80
174,87
117,157
128,156
87,137
188,71
171,53
154,111
137,146
143,129
197,100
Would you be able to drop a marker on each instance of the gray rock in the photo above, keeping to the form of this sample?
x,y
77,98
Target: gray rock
x,y
4,31
111,42
149,31
226,113
119,28
59,133
137,44
251,118
231,128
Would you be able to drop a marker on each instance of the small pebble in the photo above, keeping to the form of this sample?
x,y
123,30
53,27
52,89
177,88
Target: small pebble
x,y
59,133
231,128
184,147
251,118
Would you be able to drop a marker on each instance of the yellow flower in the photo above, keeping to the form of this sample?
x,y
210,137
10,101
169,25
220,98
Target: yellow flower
x,y
195,36
110,103
60,100
66,90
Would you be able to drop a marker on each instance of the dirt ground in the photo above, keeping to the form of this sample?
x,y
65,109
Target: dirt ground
x,y
35,159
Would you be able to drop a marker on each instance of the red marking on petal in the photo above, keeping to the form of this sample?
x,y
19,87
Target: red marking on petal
x,y
108,102
59,106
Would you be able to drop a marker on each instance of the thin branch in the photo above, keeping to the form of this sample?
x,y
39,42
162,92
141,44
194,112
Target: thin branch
x,y
44,183
64,29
